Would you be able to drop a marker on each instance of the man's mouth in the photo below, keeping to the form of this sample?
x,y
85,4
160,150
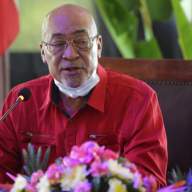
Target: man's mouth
x,y
72,68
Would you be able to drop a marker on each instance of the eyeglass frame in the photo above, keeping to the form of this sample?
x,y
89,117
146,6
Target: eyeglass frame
x,y
71,41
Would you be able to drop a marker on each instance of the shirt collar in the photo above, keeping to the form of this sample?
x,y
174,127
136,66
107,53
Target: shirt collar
x,y
97,97
95,100
50,96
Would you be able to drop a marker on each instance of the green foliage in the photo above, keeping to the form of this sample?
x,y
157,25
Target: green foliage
x,y
112,13
96,184
121,19
147,49
160,10
131,5
100,184
184,28
33,161
176,175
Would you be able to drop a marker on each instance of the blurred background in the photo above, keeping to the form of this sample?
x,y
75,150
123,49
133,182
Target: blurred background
x,y
153,29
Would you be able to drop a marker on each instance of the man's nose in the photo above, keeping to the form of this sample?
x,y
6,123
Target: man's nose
x,y
70,52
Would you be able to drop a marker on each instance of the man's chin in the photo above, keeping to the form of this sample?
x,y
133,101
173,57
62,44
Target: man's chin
x,y
73,84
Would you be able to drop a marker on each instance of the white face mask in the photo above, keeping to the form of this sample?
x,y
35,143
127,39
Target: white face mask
x,y
82,90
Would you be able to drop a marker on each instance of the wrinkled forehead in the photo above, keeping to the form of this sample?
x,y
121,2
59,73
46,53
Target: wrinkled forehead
x,y
67,23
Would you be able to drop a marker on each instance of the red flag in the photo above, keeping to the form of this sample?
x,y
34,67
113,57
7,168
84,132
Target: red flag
x,y
9,23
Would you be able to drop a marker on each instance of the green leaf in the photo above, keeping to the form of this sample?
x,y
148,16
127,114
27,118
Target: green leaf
x,y
160,10
122,160
25,156
33,161
100,184
46,158
131,5
96,184
38,158
31,153
56,188
148,49
27,166
26,170
176,175
184,28
117,17
125,45
122,25
147,22
130,188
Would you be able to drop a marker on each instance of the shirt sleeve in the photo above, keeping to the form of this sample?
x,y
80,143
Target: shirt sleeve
x,y
147,146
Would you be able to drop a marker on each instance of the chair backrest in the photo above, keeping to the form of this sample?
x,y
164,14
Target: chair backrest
x,y
172,80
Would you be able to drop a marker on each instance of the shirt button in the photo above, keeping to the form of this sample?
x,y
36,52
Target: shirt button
x,y
92,136
29,134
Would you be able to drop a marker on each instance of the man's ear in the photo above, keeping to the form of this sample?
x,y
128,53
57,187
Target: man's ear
x,y
99,45
43,53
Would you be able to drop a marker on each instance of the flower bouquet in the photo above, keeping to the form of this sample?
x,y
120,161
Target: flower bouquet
x,y
88,168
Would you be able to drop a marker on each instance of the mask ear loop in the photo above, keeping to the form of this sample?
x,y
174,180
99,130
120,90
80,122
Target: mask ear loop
x,y
99,45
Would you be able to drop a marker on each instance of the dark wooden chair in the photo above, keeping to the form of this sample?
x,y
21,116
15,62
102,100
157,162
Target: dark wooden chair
x,y
172,80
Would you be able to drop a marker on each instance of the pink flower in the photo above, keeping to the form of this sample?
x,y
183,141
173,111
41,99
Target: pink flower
x,y
81,154
69,162
150,184
89,146
36,176
31,188
55,172
109,154
132,167
87,152
83,186
137,180
99,169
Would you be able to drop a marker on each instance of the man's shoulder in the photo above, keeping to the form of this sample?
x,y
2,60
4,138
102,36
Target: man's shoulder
x,y
37,83
38,87
128,83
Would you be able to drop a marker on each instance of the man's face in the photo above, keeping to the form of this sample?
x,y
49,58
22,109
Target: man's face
x,y
73,47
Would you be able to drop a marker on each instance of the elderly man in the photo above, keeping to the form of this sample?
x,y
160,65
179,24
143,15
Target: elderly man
x,y
80,100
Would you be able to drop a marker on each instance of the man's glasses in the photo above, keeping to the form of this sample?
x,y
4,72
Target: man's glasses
x,y
83,43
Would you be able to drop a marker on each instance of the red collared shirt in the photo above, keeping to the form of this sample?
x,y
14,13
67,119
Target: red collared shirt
x,y
121,113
